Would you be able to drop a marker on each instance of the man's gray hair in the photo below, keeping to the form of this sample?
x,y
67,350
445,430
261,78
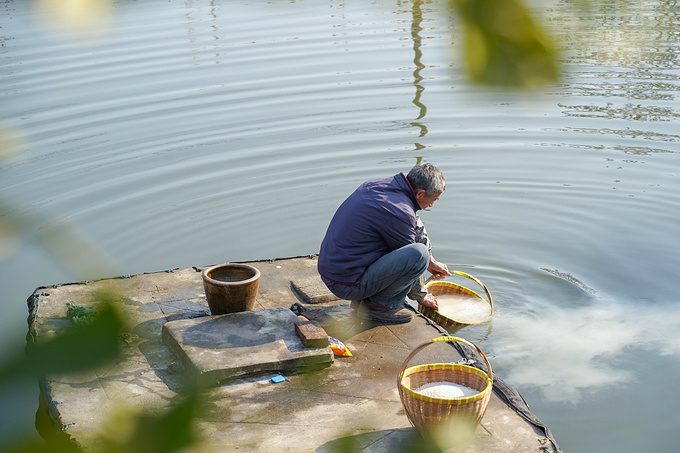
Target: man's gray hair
x,y
427,177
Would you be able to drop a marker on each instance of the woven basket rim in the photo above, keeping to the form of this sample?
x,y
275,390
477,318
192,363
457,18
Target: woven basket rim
x,y
455,285
442,319
443,366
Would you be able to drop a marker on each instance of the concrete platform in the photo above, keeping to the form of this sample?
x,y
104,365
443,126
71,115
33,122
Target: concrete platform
x,y
217,349
350,405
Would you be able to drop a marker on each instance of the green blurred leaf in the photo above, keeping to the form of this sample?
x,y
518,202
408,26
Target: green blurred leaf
x,y
504,46
172,431
80,347
39,446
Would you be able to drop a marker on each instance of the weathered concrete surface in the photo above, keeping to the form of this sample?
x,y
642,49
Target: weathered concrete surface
x,y
216,349
353,403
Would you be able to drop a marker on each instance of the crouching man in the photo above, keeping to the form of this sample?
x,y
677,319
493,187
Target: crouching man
x,y
376,249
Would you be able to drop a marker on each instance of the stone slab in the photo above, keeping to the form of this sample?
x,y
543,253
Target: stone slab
x,y
312,290
219,348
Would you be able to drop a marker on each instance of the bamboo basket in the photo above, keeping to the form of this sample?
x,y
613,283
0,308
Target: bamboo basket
x,y
439,288
437,418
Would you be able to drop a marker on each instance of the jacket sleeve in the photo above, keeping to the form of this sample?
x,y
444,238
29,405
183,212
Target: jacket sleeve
x,y
421,235
418,290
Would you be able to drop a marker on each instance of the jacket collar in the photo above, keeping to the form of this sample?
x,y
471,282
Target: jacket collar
x,y
411,192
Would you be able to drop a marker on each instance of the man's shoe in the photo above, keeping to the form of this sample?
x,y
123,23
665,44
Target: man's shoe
x,y
380,313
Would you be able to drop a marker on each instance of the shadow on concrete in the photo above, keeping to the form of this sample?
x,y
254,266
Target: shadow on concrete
x,y
215,333
404,440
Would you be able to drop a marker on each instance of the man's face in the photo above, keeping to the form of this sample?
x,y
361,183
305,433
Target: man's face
x,y
424,200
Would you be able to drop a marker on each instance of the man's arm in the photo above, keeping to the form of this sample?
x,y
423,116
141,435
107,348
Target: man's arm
x,y
437,269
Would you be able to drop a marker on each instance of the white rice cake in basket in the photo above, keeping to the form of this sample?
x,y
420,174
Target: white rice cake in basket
x,y
446,390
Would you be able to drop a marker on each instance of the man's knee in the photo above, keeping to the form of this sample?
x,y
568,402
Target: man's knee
x,y
421,255
424,252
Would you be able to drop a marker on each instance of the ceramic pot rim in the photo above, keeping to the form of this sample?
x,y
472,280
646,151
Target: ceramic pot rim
x,y
252,279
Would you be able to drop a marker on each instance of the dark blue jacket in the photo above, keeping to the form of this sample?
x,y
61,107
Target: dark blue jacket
x,y
379,217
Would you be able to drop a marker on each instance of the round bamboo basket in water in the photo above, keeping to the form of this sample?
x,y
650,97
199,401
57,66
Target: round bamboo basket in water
x,y
439,288
439,419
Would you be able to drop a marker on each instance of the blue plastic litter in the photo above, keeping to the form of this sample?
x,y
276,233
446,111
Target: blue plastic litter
x,y
279,378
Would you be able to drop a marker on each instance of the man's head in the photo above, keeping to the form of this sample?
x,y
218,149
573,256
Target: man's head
x,y
427,182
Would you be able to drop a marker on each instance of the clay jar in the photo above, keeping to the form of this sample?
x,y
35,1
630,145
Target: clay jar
x,y
230,288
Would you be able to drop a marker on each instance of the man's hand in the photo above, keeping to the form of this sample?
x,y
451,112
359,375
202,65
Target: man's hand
x,y
429,301
437,269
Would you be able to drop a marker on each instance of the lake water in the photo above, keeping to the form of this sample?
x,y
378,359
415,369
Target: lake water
x,y
196,133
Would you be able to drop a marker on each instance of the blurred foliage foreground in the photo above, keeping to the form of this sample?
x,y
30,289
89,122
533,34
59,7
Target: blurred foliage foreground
x,y
503,46
94,338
